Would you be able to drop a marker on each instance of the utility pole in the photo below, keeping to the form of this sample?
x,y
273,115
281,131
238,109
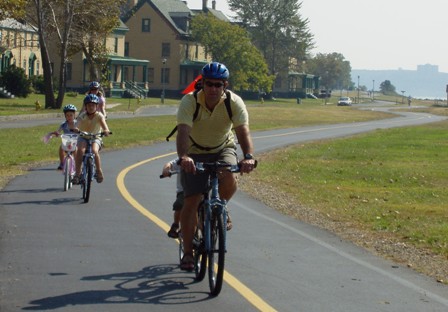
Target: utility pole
x,y
358,90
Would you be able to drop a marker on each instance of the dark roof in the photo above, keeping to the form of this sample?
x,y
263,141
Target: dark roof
x,y
176,12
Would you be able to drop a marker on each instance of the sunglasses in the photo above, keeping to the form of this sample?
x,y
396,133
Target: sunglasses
x,y
214,84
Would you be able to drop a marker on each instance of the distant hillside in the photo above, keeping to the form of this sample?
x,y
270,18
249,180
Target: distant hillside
x,y
425,82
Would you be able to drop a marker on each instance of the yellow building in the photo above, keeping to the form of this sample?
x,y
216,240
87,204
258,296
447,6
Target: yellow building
x,y
19,46
122,69
159,32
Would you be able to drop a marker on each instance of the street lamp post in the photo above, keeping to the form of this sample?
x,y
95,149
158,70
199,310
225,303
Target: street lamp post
x,y
358,89
162,97
373,91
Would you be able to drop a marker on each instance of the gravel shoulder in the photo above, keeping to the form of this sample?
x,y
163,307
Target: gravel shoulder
x,y
381,244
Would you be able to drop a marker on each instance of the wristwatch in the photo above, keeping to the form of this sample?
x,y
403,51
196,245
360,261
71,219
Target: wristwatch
x,y
248,156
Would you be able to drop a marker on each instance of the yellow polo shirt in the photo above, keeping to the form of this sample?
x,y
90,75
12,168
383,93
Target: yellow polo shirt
x,y
211,129
84,123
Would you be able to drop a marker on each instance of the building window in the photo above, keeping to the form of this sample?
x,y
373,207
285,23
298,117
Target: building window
x,y
68,71
126,49
25,40
165,76
116,45
24,64
166,49
146,25
150,75
38,67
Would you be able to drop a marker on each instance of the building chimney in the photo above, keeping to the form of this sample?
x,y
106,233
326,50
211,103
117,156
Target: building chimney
x,y
214,4
204,5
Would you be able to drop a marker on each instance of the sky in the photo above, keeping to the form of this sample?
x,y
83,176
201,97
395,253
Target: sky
x,y
375,34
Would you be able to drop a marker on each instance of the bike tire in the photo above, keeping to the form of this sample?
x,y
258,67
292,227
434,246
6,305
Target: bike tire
x,y
67,169
88,180
199,252
216,254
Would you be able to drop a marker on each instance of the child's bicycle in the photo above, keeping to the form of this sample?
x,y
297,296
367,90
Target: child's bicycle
x,y
209,242
88,163
69,143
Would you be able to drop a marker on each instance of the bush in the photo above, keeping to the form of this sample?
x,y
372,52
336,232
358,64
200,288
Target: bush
x,y
15,81
38,84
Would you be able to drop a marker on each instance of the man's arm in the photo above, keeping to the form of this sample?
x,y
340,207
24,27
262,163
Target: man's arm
x,y
182,145
245,141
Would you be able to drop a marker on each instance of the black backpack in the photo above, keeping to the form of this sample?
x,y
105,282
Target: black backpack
x,y
196,112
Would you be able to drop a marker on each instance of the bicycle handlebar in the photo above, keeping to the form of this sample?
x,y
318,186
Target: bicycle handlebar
x,y
94,135
211,166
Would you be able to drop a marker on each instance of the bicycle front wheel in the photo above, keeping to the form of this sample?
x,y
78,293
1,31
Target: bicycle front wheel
x,y
216,254
88,179
67,175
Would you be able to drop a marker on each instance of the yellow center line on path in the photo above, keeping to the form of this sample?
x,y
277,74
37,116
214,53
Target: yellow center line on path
x,y
245,291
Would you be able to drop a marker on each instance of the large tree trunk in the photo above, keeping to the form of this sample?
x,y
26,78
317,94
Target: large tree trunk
x,y
63,53
46,62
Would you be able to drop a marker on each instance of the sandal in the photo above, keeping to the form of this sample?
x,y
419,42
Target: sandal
x,y
229,224
75,179
99,177
173,232
187,263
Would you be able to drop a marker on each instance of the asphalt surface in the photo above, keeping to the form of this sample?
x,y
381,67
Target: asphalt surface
x,y
112,254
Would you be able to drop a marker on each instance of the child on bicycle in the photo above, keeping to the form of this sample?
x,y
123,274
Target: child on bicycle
x,y
179,202
169,167
90,121
95,88
65,128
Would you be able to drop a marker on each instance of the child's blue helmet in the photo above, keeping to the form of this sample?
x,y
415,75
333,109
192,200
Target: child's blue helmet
x,y
215,70
91,98
69,108
94,85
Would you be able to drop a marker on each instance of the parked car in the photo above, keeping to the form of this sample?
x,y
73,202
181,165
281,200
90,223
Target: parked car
x,y
345,101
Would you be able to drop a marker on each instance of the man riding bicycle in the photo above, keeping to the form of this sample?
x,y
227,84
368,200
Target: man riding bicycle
x,y
205,134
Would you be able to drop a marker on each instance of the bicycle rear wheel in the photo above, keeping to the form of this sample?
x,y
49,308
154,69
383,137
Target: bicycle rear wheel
x,y
88,179
216,254
67,173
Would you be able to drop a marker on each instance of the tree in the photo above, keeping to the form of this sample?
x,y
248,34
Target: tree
x,y
231,45
91,30
12,9
77,25
333,69
277,29
387,88
38,13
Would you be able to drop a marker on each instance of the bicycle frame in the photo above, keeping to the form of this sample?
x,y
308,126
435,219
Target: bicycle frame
x,y
213,206
214,229
69,142
88,163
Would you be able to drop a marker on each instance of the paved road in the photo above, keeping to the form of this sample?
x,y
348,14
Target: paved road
x,y
24,121
112,254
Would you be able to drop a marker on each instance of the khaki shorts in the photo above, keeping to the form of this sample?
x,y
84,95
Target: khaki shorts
x,y
194,184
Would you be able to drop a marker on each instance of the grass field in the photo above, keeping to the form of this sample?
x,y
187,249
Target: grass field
x,y
387,181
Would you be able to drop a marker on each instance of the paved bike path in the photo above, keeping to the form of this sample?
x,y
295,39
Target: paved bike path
x,y
57,253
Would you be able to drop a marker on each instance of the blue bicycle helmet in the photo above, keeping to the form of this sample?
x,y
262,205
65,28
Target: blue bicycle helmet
x,y
69,108
94,85
91,98
215,70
